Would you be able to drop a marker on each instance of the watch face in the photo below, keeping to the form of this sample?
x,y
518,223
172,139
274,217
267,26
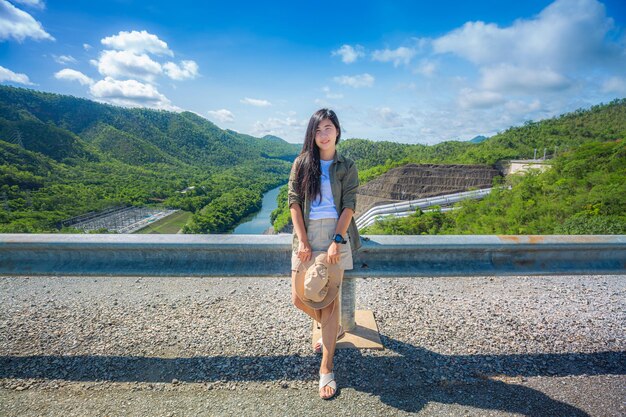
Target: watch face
x,y
338,238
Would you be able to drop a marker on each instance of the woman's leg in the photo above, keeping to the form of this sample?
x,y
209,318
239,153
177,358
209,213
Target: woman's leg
x,y
314,314
330,326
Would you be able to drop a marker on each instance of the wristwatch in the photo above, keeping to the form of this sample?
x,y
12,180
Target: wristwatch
x,y
339,239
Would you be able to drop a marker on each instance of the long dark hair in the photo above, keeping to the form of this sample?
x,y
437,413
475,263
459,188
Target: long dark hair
x,y
308,169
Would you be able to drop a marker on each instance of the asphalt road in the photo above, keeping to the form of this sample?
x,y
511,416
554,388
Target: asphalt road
x,y
457,346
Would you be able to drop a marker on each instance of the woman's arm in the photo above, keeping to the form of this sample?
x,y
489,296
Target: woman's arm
x,y
348,204
298,222
344,221
295,202
304,248
341,228
349,188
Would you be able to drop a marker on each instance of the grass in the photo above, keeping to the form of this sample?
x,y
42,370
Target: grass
x,y
170,224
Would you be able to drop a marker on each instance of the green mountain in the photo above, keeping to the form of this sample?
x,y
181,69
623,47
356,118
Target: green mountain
x,y
185,136
272,138
62,156
478,139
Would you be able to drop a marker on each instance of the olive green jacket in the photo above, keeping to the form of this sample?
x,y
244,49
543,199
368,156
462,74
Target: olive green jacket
x,y
344,182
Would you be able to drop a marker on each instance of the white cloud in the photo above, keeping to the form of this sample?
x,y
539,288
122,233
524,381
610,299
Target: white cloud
x,y
330,94
349,54
560,50
130,72
469,98
508,78
256,102
566,34
438,123
186,70
287,128
127,64
222,115
14,77
64,59
401,55
32,3
73,75
17,24
322,103
522,107
130,93
615,85
355,81
405,86
137,42
386,118
426,68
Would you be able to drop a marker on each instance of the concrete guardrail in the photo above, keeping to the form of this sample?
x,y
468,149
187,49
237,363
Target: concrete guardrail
x,y
269,255
407,207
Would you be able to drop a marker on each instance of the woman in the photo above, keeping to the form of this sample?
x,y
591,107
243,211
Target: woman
x,y
322,201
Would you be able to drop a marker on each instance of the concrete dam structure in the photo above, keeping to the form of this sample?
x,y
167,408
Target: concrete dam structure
x,y
415,181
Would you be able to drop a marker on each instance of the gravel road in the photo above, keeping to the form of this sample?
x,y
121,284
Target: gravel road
x,y
466,346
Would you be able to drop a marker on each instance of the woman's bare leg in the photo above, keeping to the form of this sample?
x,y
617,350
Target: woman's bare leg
x,y
330,326
329,317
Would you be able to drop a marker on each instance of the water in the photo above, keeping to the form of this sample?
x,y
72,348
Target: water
x,y
261,220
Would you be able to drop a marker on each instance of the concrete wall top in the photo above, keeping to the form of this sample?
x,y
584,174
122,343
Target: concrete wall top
x,y
269,255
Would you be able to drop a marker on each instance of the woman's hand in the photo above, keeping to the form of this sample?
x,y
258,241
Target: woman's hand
x,y
304,251
333,253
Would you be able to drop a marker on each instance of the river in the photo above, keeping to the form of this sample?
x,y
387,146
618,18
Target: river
x,y
261,220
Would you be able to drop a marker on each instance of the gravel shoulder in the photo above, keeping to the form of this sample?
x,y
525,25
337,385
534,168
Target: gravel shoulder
x,y
496,346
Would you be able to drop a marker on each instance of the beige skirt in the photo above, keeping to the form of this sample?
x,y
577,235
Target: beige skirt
x,y
320,233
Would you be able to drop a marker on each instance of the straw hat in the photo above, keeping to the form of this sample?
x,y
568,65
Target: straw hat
x,y
317,281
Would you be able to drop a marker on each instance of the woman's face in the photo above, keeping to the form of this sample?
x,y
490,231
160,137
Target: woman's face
x,y
326,135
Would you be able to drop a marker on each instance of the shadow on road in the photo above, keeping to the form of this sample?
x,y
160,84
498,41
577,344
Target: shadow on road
x,y
407,381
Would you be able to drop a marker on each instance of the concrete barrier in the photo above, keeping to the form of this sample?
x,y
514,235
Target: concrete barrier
x,y
458,255
269,255
144,255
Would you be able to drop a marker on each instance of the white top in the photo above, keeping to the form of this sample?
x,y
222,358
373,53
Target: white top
x,y
324,208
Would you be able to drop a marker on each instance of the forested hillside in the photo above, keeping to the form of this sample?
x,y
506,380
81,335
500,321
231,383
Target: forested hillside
x,y
583,193
62,156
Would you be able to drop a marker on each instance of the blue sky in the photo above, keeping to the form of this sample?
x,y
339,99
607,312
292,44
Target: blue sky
x,y
407,71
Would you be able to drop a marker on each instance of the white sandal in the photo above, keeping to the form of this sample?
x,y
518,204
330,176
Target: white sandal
x,y
328,380
319,342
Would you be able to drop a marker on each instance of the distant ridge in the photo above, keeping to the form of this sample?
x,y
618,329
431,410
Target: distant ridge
x,y
478,139
62,127
273,138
